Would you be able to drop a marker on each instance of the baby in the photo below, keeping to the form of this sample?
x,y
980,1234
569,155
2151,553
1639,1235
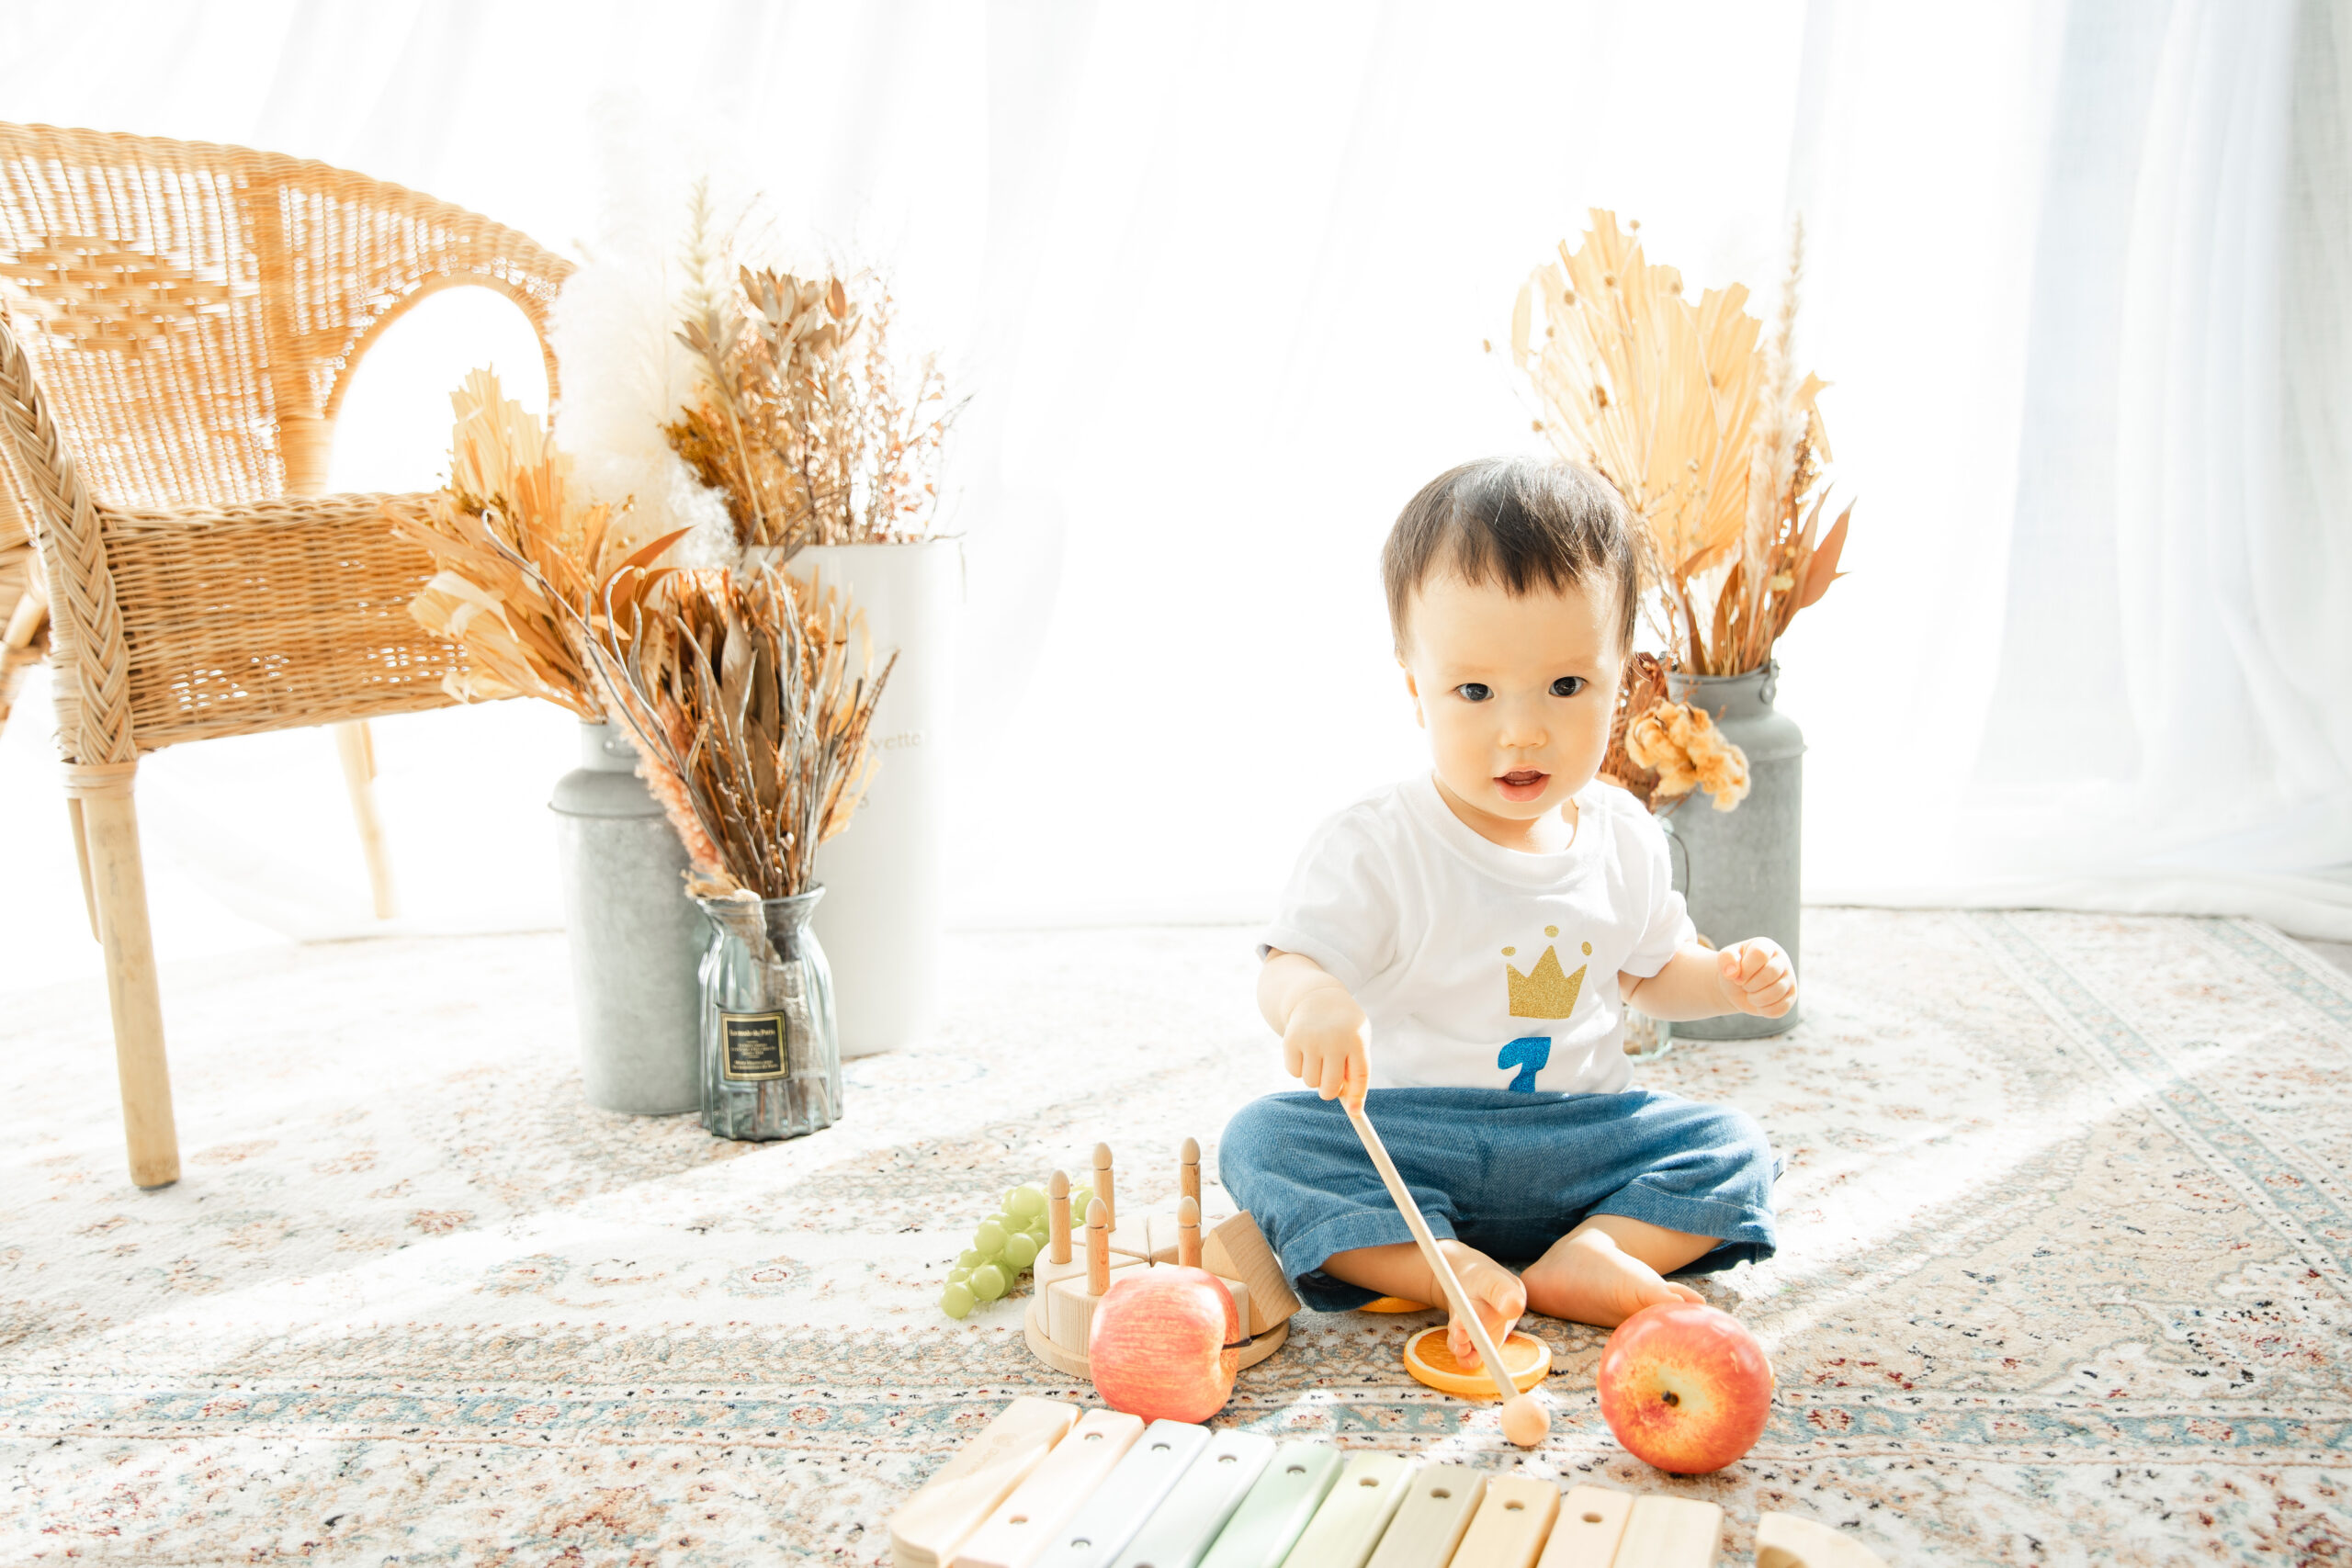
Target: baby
x,y
1463,945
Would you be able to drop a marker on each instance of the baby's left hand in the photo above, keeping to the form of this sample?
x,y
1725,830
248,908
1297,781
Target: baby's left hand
x,y
1757,977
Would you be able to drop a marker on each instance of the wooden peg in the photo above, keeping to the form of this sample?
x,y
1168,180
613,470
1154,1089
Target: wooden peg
x,y
1098,1247
1057,1218
1188,1171
1188,1233
1103,1184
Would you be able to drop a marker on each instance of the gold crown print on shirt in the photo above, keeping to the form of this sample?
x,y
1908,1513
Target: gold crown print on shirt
x,y
1544,991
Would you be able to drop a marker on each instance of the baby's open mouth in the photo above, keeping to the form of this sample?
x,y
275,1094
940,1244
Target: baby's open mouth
x,y
1523,784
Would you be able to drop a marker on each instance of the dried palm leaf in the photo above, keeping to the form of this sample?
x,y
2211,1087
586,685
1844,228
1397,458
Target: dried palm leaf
x,y
524,564
1703,425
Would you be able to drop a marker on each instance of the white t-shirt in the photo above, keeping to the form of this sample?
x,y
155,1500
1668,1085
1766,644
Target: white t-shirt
x,y
1483,967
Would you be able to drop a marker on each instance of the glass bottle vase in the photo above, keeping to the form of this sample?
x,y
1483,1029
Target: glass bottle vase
x,y
771,1054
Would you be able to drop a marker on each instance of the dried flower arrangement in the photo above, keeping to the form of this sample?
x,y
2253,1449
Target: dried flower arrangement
x,y
750,698
806,423
1704,426
525,569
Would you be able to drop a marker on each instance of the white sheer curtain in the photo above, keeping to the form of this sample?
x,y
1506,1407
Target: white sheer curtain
x,y
1218,277
2119,357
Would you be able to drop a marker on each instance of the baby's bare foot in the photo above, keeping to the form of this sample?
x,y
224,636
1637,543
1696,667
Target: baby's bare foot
x,y
1493,1290
1585,1279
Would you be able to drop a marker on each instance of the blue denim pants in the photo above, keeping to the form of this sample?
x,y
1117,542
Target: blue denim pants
x,y
1509,1173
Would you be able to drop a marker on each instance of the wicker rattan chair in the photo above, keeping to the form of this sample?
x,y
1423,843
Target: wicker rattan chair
x,y
24,602
177,324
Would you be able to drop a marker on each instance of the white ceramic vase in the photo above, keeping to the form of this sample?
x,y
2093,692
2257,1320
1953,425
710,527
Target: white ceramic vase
x,y
882,920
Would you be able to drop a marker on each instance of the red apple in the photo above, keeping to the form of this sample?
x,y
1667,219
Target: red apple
x,y
1164,1344
1685,1387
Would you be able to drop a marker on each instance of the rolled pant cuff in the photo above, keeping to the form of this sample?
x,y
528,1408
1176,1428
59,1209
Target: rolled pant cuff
x,y
1305,1257
1744,1234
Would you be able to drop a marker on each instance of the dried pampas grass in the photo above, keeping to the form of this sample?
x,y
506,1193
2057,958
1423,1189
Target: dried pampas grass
x,y
625,374
1704,426
526,567
750,698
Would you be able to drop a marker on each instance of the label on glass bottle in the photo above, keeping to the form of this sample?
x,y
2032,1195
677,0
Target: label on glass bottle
x,y
753,1043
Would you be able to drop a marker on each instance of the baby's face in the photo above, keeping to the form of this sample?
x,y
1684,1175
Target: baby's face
x,y
1515,690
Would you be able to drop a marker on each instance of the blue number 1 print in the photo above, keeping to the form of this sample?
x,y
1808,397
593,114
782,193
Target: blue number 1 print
x,y
1528,1054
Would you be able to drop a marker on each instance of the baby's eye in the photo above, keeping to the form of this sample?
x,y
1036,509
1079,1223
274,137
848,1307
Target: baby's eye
x,y
1569,685
1473,691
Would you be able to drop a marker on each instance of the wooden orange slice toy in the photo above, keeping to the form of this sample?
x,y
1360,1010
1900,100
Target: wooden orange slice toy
x,y
1430,1357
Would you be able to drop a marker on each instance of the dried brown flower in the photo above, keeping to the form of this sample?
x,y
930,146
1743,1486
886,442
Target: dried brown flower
x,y
806,425
1681,744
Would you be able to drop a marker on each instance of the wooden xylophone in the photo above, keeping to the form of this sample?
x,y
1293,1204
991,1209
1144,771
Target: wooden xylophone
x,y
1046,1485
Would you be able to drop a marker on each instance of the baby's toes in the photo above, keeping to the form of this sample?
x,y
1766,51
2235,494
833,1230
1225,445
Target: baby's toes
x,y
1647,1289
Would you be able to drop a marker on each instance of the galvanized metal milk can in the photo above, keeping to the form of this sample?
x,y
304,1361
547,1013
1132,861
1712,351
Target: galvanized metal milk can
x,y
636,935
1740,870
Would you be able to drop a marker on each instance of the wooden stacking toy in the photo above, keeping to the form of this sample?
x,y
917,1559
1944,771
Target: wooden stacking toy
x,y
1080,1262
1041,1487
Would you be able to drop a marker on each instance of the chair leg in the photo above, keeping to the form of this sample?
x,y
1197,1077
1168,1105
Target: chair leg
x,y
359,753
120,885
81,859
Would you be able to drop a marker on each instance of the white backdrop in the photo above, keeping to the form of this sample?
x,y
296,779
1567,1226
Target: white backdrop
x,y
1218,277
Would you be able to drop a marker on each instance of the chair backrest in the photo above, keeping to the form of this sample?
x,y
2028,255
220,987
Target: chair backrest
x,y
193,312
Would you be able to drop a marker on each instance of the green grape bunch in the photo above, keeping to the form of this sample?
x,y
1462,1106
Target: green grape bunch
x,y
1003,1248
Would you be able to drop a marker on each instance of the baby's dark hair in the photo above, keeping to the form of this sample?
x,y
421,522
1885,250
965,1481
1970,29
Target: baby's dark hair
x,y
1524,521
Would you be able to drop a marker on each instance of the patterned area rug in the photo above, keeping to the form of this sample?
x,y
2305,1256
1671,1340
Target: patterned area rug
x,y
2067,1251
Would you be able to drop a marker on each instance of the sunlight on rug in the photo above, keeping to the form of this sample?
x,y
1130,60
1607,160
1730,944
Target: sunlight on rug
x,y
2067,1248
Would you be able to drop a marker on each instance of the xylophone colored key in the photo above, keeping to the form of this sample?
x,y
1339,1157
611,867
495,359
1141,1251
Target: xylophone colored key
x,y
930,1526
1592,1522
1179,1530
1270,1520
1429,1522
1348,1524
1026,1523
1108,1520
1511,1522
1671,1533
1183,1496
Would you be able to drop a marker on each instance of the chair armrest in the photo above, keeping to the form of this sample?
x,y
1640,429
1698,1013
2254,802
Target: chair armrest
x,y
272,616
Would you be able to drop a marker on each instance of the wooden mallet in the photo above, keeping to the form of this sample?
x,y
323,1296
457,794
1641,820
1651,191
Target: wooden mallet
x,y
1526,1422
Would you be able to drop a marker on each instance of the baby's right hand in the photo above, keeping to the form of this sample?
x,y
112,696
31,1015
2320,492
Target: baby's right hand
x,y
1324,1047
